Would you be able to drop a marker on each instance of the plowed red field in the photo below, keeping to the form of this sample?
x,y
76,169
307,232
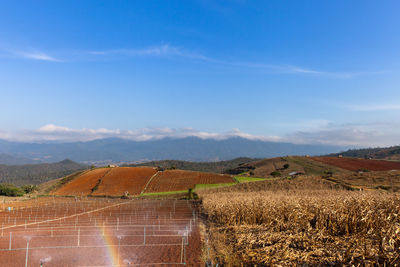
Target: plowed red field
x,y
122,179
176,180
83,184
354,164
116,181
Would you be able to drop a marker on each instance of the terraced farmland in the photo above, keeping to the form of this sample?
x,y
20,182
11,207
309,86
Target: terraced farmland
x,y
124,179
135,181
83,184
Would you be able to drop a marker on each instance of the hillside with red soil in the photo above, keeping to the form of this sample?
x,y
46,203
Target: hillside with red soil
x,y
177,180
136,180
353,164
83,184
120,180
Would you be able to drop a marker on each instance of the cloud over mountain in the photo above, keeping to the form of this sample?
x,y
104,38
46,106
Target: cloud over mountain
x,y
354,135
51,132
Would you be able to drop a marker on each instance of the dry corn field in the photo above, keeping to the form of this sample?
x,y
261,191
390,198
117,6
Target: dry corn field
x,y
301,226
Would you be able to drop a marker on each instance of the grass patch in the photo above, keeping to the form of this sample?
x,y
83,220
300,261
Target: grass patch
x,y
164,193
203,186
244,179
198,186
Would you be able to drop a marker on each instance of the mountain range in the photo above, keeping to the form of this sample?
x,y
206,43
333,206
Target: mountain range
x,y
14,160
117,150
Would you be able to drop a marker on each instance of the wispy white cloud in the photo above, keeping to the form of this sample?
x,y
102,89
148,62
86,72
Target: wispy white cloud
x,y
170,52
53,132
292,69
164,50
167,50
36,55
355,135
350,135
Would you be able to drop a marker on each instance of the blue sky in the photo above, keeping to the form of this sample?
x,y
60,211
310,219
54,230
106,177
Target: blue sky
x,y
297,71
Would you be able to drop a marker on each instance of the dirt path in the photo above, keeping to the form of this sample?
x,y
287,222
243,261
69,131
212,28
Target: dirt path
x,y
148,182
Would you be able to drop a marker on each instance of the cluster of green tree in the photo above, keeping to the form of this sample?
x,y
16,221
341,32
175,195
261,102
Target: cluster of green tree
x,y
11,190
240,169
37,173
215,167
374,153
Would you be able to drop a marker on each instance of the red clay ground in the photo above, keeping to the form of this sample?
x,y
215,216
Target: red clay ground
x,y
83,184
116,181
100,232
353,164
122,179
177,180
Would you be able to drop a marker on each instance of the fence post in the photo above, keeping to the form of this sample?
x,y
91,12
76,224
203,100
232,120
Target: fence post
x,y
182,250
10,240
144,236
27,251
79,236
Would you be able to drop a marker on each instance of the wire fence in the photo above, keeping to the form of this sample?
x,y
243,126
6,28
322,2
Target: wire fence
x,y
98,232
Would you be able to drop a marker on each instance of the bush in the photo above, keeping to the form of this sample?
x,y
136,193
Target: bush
x,y
191,194
275,174
29,188
286,166
10,190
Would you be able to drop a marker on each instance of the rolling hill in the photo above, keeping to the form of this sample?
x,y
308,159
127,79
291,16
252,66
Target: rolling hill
x,y
144,180
390,153
214,166
312,166
134,180
354,164
284,166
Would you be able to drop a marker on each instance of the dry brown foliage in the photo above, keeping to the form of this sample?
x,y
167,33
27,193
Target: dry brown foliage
x,y
300,226
389,181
